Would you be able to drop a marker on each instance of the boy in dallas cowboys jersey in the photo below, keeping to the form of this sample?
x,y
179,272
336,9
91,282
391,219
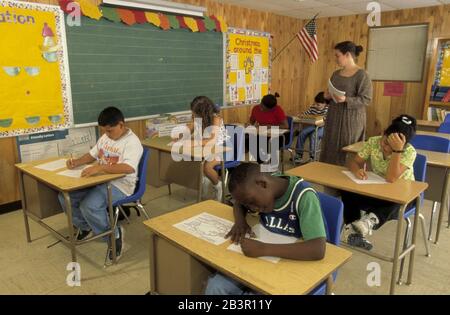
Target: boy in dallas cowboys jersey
x,y
286,205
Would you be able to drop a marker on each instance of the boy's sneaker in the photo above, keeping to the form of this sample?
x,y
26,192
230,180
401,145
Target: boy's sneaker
x,y
358,240
119,246
82,235
365,225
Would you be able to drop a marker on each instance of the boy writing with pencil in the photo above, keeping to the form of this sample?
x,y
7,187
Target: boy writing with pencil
x,y
118,151
286,205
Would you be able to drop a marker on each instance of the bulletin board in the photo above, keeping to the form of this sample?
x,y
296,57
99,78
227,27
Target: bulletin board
x,y
35,89
444,66
248,56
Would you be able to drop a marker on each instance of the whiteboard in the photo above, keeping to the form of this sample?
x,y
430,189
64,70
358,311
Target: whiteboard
x,y
397,53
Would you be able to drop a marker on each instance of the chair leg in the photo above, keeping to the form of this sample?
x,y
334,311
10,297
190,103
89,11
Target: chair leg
x,y
282,160
142,209
405,245
433,211
424,234
116,219
170,189
124,214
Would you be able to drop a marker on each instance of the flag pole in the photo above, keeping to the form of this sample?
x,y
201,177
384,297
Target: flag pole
x,y
285,46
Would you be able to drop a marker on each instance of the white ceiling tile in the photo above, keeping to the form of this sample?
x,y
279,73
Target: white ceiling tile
x,y
406,4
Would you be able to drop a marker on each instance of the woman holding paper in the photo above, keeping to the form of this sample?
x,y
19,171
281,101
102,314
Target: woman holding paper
x,y
349,92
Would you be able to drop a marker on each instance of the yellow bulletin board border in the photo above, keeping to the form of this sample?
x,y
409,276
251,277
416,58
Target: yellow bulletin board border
x,y
247,64
63,66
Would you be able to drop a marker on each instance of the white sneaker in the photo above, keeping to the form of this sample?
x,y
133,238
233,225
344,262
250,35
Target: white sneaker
x,y
218,191
206,185
365,225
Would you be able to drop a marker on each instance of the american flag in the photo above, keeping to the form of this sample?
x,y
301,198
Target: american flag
x,y
308,38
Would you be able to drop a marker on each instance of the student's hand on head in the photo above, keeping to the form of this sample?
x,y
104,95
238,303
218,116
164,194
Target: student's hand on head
x,y
90,171
252,248
396,141
238,231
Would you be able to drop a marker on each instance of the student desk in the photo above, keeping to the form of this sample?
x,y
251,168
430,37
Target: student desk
x,y
39,189
317,122
401,192
428,125
438,178
180,172
180,263
435,134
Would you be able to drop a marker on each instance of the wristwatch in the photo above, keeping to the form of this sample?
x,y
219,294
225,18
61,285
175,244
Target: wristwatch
x,y
398,151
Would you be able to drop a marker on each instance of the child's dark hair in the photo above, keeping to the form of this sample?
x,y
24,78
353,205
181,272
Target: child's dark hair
x,y
270,100
204,108
320,98
110,116
242,175
351,47
403,124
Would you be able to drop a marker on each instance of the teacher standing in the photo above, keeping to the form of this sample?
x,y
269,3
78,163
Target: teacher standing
x,y
346,119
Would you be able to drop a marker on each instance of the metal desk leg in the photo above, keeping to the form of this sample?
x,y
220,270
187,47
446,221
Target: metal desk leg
x,y
397,248
70,223
200,181
330,284
111,223
222,179
24,207
443,204
316,141
152,263
413,242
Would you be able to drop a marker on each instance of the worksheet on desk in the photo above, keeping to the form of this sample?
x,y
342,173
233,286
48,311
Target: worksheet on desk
x,y
207,227
265,236
52,166
372,178
76,172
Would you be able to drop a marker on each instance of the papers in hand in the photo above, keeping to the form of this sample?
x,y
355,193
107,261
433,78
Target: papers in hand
x,y
334,91
52,166
265,236
372,178
76,172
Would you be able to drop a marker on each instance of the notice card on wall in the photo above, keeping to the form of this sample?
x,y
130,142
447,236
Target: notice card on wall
x,y
393,88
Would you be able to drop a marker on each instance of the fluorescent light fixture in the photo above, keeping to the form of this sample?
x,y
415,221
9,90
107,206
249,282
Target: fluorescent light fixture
x,y
160,6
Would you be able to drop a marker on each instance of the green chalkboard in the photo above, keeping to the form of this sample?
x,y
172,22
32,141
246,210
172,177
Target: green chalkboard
x,y
141,69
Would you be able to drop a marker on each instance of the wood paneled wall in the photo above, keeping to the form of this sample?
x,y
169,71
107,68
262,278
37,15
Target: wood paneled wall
x,y
293,76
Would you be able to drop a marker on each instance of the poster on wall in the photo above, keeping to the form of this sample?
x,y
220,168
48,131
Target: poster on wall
x,y
247,63
34,74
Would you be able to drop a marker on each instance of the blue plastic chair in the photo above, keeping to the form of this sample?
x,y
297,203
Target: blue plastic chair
x,y
332,210
287,146
431,143
233,158
139,190
445,127
447,118
420,168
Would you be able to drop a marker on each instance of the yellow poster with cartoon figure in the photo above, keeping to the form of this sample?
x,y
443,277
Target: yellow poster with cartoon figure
x,y
248,55
34,80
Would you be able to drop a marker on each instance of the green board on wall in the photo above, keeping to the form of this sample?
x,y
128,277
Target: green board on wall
x,y
141,69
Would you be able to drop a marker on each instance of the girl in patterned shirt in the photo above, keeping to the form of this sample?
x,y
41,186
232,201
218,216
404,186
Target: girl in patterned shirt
x,y
392,157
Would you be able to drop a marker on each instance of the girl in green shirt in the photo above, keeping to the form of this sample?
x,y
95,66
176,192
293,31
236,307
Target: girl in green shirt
x,y
392,157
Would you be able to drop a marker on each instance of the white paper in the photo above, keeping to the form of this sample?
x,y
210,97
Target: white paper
x,y
249,92
38,151
240,75
234,61
256,76
265,236
256,91
334,91
264,75
207,227
257,59
165,130
76,172
52,166
234,96
372,178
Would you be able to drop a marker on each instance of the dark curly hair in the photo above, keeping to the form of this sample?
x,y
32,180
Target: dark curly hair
x,y
204,108
403,124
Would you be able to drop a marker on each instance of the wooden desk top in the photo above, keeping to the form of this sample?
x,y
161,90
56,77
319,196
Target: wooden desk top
x,y
437,159
401,192
162,144
435,134
309,120
428,123
60,182
285,277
